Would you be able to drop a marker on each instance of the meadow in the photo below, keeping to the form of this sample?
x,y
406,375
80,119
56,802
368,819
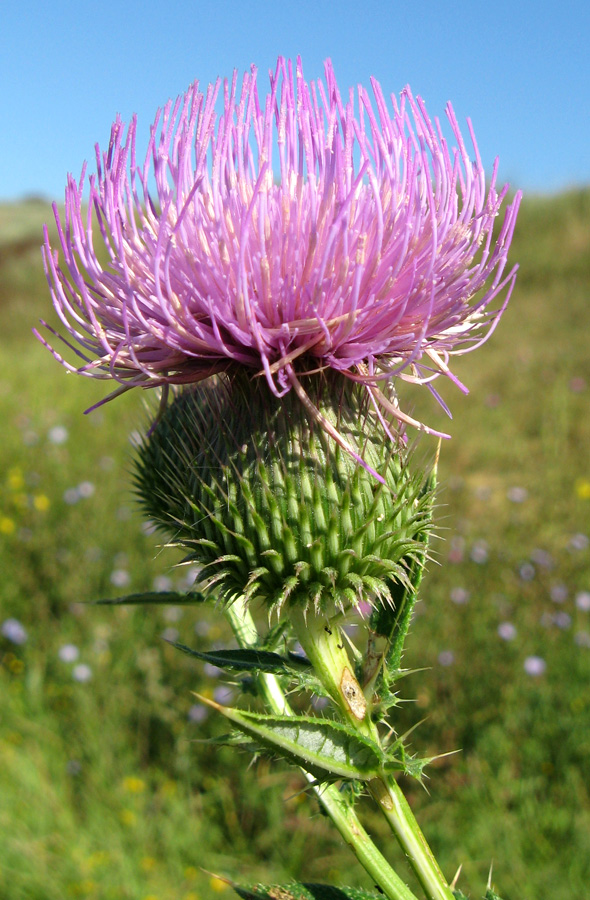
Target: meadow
x,y
106,793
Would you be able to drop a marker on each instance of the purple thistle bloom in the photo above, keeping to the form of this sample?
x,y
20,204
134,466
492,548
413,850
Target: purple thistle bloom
x,y
367,249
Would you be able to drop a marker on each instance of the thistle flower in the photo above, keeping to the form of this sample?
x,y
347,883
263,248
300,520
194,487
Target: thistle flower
x,y
367,249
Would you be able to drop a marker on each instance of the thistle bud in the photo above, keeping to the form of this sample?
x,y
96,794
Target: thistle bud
x,y
270,507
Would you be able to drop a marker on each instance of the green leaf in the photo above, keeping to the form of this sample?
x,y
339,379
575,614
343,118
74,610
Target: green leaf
x,y
247,660
309,682
491,895
275,635
298,891
459,895
233,739
174,597
392,619
328,750
410,765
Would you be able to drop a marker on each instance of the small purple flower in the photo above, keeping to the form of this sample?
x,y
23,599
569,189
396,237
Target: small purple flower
x,y
583,601
58,434
198,713
120,577
579,541
507,631
86,489
563,620
14,631
527,571
517,494
460,596
68,653
212,671
558,593
82,673
542,558
479,553
319,703
369,249
223,695
535,666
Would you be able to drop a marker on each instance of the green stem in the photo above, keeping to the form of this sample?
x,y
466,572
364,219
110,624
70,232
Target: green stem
x,y
323,646
325,650
335,804
396,809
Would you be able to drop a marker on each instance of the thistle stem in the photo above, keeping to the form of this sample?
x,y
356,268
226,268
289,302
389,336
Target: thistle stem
x,y
389,797
335,804
324,648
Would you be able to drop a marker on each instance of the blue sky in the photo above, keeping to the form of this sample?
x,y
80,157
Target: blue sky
x,y
521,71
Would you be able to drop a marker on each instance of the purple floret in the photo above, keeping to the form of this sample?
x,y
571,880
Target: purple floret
x,y
292,232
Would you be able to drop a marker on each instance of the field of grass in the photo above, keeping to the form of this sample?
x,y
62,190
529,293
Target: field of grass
x,y
105,794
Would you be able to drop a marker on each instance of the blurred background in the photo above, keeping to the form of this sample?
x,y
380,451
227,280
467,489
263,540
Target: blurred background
x,y
105,792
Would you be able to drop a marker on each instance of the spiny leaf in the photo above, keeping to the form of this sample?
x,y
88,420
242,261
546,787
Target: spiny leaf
x,y
392,620
231,739
275,635
415,767
399,760
247,660
174,597
299,891
328,750
309,682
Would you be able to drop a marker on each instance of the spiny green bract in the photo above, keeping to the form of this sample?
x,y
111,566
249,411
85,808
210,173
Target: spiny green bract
x,y
270,507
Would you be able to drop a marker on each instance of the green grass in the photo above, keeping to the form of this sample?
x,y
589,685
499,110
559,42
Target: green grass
x,y
104,792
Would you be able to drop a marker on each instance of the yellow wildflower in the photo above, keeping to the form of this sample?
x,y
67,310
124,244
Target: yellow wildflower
x,y
96,859
14,479
128,817
134,785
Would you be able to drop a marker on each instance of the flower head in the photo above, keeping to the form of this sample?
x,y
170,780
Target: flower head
x,y
292,232
269,508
